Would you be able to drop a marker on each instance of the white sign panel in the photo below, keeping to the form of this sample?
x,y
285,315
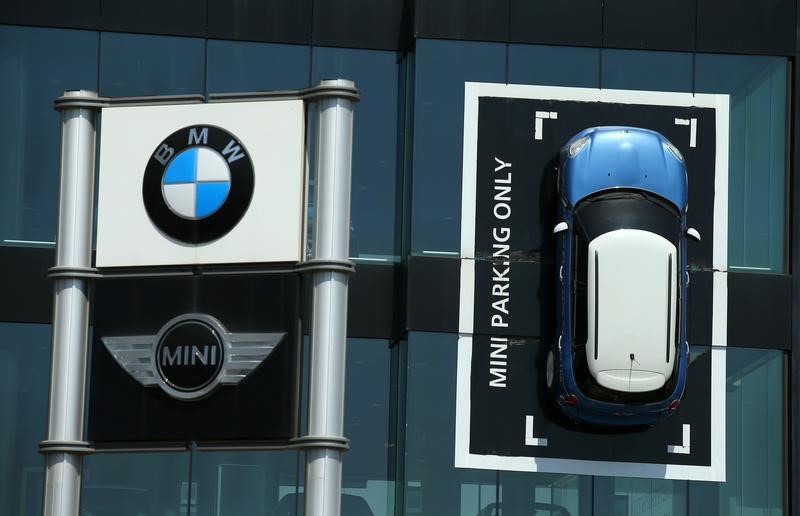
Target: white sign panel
x,y
201,184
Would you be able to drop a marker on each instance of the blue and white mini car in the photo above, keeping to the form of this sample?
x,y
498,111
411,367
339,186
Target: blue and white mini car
x,y
620,353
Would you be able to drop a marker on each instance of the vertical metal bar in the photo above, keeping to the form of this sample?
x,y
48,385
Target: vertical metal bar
x,y
329,303
64,445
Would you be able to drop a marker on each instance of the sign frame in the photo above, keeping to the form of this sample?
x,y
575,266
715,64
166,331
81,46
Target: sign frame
x,y
473,91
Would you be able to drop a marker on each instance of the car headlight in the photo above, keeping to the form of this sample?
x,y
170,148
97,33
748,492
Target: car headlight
x,y
577,146
674,150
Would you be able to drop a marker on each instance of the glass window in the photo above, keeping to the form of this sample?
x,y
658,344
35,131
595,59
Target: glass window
x,y
137,484
442,67
237,66
432,485
36,66
758,87
260,483
136,64
375,214
367,410
646,70
545,493
24,382
755,433
554,66
755,459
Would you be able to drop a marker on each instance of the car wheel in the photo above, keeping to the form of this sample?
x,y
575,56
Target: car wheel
x,y
550,369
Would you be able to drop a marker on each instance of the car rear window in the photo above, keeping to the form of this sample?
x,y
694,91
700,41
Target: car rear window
x,y
625,209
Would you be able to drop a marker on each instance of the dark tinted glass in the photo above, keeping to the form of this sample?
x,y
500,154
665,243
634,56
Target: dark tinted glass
x,y
236,66
554,66
646,70
442,67
24,382
374,211
758,131
136,64
36,66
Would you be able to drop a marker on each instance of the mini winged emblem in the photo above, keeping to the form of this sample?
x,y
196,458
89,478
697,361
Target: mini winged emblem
x,y
191,356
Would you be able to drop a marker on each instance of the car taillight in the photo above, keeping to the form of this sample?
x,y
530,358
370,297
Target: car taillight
x,y
675,404
569,399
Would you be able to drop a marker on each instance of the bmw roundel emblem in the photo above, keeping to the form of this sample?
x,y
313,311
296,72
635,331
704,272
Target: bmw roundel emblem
x,y
198,184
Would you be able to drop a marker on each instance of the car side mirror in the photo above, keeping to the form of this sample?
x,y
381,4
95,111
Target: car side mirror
x,y
693,234
561,226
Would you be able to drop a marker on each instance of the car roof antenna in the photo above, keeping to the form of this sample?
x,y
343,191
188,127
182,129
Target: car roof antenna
x,y
630,370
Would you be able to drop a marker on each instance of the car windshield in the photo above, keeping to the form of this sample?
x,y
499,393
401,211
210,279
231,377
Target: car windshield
x,y
596,220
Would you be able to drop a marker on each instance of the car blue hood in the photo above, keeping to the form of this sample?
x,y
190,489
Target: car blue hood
x,y
623,157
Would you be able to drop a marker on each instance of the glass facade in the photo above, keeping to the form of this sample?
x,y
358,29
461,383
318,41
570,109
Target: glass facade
x,y
24,381
407,161
755,455
759,128
36,66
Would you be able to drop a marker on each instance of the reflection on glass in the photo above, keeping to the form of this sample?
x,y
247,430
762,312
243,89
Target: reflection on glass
x,y
137,484
755,425
554,66
374,202
137,64
36,66
646,70
365,468
757,158
433,487
442,67
253,483
543,493
24,381
236,66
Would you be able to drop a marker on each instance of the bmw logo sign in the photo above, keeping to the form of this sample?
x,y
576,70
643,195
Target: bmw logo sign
x,y
198,184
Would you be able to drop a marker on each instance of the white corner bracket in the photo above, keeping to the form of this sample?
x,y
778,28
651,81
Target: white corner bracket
x,y
685,447
538,124
692,123
530,440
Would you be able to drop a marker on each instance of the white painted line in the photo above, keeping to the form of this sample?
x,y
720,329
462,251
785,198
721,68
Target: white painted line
x,y
719,309
469,170
530,440
463,401
466,298
720,244
537,131
685,447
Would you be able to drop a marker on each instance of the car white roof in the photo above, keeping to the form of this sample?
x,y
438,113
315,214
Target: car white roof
x,y
632,298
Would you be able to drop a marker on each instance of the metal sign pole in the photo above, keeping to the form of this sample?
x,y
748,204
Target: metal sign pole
x,y
64,446
329,304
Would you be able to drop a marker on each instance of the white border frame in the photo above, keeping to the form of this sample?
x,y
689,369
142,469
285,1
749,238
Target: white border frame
x,y
463,458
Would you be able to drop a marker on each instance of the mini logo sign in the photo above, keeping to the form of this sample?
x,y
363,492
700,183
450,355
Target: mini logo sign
x,y
191,356
198,184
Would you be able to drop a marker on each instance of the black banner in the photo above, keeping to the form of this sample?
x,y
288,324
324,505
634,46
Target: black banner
x,y
512,412
262,407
